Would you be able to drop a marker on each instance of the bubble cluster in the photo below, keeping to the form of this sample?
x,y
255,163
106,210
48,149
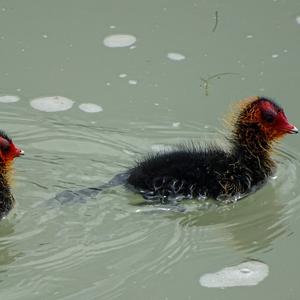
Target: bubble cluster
x,y
175,56
52,103
132,82
245,274
119,40
90,107
9,98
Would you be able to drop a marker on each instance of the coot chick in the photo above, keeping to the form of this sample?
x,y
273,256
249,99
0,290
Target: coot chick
x,y
226,175
8,152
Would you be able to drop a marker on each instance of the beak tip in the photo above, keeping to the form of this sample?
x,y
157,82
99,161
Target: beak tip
x,y
294,130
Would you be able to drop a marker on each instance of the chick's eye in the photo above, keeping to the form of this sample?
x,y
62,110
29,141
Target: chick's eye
x,y
268,116
4,145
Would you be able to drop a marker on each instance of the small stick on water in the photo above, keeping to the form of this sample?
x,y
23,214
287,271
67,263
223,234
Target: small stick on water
x,y
216,21
205,81
205,85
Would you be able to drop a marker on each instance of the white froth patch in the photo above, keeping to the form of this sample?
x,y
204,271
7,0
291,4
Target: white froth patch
x,y
9,98
90,107
176,124
245,274
133,82
298,20
175,56
52,103
119,40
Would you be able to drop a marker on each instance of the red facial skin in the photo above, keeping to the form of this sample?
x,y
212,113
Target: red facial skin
x,y
8,150
274,121
268,116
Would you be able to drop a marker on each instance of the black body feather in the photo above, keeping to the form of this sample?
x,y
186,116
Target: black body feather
x,y
195,173
210,172
7,200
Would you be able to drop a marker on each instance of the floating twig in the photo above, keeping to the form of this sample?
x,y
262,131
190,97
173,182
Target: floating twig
x,y
216,21
205,81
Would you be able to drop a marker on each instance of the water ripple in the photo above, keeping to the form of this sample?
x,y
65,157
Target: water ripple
x,y
110,239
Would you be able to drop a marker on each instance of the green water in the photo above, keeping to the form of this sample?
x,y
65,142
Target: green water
x,y
108,248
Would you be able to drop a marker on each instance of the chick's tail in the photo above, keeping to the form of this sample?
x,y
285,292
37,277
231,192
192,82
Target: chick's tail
x,y
84,194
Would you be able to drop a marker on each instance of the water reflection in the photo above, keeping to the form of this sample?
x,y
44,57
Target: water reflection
x,y
252,224
7,253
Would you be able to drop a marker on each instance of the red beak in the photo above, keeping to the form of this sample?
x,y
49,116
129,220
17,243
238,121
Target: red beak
x,y
285,125
292,129
18,152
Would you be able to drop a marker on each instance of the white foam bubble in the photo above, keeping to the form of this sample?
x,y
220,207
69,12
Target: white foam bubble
x,y
298,20
123,75
52,103
275,55
9,98
90,107
133,82
119,40
175,56
245,274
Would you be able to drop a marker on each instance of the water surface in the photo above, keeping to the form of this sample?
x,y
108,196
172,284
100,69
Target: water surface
x,y
109,247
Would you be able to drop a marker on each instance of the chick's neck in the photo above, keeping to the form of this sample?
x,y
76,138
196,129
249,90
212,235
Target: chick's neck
x,y
252,147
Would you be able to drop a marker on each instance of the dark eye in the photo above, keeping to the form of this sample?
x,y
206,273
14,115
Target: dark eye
x,y
4,145
268,116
